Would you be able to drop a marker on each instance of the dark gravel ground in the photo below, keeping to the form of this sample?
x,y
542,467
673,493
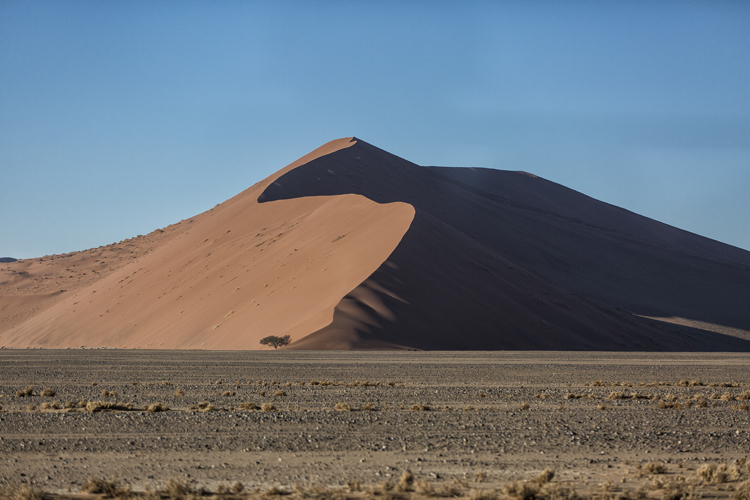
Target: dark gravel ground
x,y
307,440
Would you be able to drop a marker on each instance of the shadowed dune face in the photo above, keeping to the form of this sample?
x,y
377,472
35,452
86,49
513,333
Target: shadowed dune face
x,y
351,247
560,270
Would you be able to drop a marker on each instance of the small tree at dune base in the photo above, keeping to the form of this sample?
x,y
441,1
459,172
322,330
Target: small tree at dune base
x,y
275,341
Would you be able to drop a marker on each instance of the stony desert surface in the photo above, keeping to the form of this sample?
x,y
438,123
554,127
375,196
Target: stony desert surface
x,y
476,424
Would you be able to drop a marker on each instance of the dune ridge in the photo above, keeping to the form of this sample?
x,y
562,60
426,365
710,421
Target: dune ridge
x,y
351,247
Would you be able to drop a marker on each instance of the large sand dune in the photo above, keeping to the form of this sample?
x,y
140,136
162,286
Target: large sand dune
x,y
351,247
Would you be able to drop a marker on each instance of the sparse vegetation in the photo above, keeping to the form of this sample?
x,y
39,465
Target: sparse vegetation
x,y
276,342
48,392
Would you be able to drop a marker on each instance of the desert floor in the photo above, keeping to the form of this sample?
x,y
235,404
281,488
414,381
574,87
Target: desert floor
x,y
460,420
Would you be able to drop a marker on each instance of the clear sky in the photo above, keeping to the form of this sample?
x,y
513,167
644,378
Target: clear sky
x,y
117,118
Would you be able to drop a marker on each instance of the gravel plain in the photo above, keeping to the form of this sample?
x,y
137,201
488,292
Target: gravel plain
x,y
478,419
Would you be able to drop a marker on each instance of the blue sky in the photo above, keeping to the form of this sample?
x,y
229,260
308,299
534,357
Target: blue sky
x,y
117,118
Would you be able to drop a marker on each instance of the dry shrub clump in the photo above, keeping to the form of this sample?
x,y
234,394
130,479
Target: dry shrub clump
x,y
179,392
22,492
740,407
51,406
48,392
421,408
406,482
228,393
278,393
652,468
97,406
674,489
108,489
156,407
523,406
248,406
109,394
665,405
342,407
72,405
28,391
268,407
743,491
538,486
722,473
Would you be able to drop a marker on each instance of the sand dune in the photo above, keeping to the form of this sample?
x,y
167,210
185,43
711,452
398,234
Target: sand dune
x,y
351,247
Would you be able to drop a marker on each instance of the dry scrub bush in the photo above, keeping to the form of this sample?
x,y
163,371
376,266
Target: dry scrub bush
x,y
743,491
674,489
354,486
406,482
342,407
653,468
31,408
156,407
602,406
177,490
28,391
279,393
420,408
268,407
248,406
740,407
51,406
228,393
109,394
521,490
48,392
523,406
481,477
22,492
179,392
71,405
97,406
368,407
108,489
476,494
665,405
616,395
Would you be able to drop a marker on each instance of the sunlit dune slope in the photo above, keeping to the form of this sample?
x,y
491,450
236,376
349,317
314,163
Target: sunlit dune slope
x,y
230,276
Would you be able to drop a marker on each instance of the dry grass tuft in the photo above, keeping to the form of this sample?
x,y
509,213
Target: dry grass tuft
x,y
268,407
406,482
653,468
156,407
22,492
743,491
521,490
109,394
108,489
342,407
28,391
228,393
51,406
666,405
545,477
97,406
248,406
179,392
48,392
420,408
740,407
524,406
617,395
278,393
177,490
602,406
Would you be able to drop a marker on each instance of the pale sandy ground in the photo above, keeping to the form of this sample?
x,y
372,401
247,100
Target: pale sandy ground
x,y
308,442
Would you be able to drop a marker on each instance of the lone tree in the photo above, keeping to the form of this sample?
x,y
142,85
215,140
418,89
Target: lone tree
x,y
275,341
